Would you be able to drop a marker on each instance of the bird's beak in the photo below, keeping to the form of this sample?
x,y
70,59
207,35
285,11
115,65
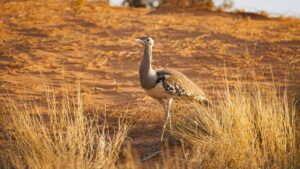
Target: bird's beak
x,y
138,40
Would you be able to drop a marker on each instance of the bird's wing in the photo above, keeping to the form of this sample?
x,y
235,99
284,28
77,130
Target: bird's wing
x,y
178,84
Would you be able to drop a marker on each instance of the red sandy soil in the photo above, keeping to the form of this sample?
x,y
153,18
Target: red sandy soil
x,y
95,45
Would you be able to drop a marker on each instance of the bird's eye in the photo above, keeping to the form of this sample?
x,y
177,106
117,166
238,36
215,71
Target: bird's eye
x,y
148,40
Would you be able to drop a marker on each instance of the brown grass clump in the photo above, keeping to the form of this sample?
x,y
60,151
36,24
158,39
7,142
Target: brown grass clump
x,y
63,137
252,128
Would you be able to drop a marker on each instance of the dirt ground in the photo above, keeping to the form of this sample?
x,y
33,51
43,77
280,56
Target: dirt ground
x,y
95,45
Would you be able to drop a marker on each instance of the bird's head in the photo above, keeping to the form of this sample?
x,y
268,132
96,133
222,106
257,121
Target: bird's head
x,y
146,41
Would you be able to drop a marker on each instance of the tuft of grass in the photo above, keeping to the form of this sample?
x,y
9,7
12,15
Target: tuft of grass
x,y
248,128
63,136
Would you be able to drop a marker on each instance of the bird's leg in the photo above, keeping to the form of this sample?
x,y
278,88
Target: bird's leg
x,y
167,115
165,122
169,118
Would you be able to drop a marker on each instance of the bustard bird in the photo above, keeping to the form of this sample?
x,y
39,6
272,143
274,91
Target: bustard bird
x,y
166,84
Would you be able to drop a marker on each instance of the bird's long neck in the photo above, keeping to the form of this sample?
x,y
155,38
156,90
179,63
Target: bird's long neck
x,y
147,74
146,64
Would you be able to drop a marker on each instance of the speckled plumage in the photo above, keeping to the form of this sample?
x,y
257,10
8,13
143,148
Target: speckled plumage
x,y
179,85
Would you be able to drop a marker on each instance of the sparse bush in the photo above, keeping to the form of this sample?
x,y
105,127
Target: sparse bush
x,y
226,5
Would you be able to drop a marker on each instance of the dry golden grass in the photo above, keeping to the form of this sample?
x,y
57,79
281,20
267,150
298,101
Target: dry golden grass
x,y
63,137
248,128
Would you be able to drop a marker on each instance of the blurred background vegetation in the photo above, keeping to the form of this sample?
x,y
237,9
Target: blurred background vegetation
x,y
157,3
206,4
